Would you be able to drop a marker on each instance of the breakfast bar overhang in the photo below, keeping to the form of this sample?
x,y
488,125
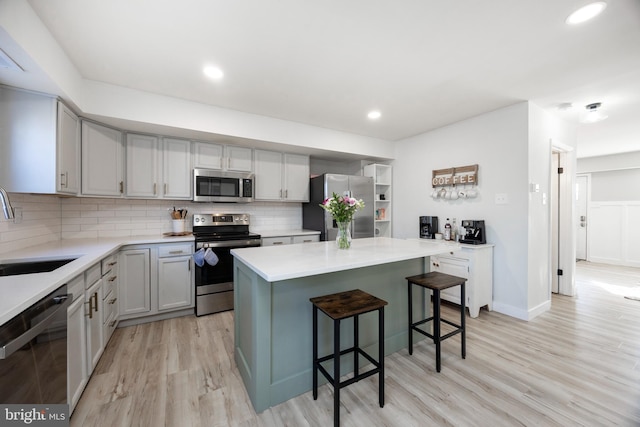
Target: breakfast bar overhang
x,y
273,318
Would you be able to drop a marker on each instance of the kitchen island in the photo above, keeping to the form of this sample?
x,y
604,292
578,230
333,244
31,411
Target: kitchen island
x,y
273,313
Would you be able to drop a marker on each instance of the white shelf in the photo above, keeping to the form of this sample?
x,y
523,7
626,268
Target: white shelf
x,y
382,186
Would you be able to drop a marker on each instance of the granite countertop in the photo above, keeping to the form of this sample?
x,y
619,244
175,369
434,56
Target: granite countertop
x,y
21,291
275,263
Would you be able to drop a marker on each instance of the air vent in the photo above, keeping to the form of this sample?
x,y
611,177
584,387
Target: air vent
x,y
7,62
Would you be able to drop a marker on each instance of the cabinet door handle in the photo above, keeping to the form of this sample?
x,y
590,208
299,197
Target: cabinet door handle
x,y
189,264
64,176
164,189
155,188
278,243
121,187
111,264
95,296
113,301
112,323
175,252
307,241
90,308
111,279
281,193
286,194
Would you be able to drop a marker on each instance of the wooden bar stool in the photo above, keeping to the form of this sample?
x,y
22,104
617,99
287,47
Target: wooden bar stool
x,y
436,282
341,306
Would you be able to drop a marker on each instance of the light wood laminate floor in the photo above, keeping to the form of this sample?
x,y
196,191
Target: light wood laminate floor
x,y
575,365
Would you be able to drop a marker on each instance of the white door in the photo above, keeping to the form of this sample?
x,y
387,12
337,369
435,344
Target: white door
x,y
555,219
582,196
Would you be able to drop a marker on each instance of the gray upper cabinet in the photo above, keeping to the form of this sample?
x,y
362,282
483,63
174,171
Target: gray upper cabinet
x,y
102,161
39,144
222,157
176,170
142,166
281,176
68,177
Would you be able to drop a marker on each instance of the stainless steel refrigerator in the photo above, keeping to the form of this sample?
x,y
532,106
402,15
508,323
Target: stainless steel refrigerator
x,y
316,218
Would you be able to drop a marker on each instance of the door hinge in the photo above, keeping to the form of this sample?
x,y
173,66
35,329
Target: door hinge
x,y
560,171
559,272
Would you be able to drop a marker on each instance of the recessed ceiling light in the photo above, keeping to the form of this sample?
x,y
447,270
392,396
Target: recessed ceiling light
x,y
374,115
586,13
213,72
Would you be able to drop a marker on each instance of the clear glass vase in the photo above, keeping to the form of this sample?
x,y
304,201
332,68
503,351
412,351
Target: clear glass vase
x,y
343,239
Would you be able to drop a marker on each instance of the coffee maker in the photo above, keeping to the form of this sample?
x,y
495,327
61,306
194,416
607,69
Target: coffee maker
x,y
428,227
474,232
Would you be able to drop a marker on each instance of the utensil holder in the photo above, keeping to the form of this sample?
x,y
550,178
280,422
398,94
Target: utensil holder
x,y
177,225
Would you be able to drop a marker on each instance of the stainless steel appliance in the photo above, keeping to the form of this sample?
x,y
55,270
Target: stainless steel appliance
x,y
33,353
428,227
220,233
217,186
323,186
474,232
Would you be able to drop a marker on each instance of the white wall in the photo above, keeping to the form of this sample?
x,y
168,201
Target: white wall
x,y
512,147
498,143
613,208
608,163
23,26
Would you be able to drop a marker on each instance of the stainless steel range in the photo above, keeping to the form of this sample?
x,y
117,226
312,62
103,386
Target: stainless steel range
x,y
214,279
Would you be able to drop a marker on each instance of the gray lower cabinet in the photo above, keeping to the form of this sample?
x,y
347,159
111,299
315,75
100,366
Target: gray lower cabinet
x,y
154,280
93,323
77,376
135,282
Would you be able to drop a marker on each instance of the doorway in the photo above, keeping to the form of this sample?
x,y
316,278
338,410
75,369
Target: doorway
x,y
582,223
562,205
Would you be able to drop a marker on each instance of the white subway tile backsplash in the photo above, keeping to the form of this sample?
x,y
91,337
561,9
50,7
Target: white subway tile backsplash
x,y
49,218
40,222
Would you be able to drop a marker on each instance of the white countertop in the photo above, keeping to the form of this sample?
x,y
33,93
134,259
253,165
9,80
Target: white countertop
x,y
21,291
279,233
275,263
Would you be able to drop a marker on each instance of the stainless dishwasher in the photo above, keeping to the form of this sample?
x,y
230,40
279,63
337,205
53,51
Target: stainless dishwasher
x,y
33,353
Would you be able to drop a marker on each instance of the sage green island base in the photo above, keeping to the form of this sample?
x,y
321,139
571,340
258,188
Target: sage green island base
x,y
273,315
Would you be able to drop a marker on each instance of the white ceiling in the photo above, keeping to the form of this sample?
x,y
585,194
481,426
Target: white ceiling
x,y
422,63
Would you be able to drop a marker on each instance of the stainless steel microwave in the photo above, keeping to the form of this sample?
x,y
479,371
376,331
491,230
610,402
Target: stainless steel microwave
x,y
211,185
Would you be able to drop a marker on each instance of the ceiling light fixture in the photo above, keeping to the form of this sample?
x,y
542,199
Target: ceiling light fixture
x,y
594,113
586,13
374,115
213,72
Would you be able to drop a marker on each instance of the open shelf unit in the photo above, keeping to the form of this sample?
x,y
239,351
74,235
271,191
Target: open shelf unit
x,y
382,197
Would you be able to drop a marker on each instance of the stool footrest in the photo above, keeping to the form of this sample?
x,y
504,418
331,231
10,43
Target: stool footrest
x,y
357,376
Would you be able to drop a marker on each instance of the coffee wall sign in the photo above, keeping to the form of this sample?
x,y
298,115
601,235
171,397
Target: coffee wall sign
x,y
462,175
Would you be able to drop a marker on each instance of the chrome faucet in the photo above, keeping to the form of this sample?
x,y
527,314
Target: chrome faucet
x,y
6,204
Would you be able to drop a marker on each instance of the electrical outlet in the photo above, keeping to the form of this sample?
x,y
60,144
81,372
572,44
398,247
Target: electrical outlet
x,y
502,199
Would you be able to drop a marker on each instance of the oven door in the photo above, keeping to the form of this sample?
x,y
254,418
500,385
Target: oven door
x,y
214,283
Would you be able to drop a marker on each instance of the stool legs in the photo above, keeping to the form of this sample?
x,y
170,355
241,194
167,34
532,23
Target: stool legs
x,y
336,373
436,326
381,356
410,320
315,353
463,337
335,381
437,336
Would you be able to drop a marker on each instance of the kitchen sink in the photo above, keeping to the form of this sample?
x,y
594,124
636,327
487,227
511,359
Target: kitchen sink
x,y
28,267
